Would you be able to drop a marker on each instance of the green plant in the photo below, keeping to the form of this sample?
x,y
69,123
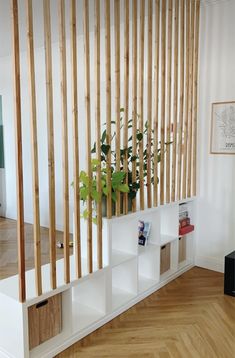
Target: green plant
x,y
89,187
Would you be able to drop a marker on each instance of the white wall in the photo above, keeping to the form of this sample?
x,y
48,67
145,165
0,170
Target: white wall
x,y
216,173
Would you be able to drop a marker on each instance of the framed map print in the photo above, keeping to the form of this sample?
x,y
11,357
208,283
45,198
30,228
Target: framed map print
x,y
223,128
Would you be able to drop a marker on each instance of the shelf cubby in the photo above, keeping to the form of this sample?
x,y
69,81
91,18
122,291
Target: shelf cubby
x,y
124,235
124,283
89,301
169,223
148,267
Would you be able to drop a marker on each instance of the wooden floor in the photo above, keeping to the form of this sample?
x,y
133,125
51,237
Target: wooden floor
x,y
8,247
190,317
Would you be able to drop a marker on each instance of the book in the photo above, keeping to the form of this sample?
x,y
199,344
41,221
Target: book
x,y
186,230
184,222
143,232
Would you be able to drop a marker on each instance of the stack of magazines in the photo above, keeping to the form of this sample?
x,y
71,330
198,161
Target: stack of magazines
x,y
185,226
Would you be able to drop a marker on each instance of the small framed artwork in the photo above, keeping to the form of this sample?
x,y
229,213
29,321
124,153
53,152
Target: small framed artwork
x,y
223,128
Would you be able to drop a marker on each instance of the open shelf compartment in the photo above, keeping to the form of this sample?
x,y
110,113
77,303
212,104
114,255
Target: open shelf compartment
x,y
148,268
89,301
124,283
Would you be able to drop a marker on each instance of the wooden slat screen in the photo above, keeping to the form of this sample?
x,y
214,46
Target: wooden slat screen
x,y
153,66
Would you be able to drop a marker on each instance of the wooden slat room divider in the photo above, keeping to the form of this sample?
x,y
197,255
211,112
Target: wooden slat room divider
x,y
156,147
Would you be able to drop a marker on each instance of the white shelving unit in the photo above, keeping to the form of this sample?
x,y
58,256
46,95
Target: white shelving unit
x,y
131,273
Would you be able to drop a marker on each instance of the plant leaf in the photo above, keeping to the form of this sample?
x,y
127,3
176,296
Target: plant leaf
x,y
124,188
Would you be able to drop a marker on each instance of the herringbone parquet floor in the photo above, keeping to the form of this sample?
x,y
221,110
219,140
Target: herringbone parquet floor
x,y
188,318
8,247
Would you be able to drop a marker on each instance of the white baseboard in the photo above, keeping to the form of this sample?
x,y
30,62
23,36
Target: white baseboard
x,y
210,263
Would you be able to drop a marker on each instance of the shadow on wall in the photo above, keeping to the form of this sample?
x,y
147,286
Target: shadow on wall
x,y
2,167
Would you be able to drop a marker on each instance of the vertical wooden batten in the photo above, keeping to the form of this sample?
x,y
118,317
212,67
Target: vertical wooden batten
x,y
156,101
76,184
186,118
50,134
141,101
34,149
168,101
98,131
63,86
181,105
126,100
163,101
19,156
88,129
175,105
117,92
149,104
190,109
108,103
195,97
134,91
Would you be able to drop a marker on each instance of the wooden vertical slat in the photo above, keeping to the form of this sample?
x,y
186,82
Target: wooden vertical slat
x,y
181,106
98,131
195,94
117,92
126,98
169,81
76,184
156,100
175,109
141,100
134,91
149,104
163,101
186,119
190,109
63,85
88,128
108,102
50,134
19,156
34,149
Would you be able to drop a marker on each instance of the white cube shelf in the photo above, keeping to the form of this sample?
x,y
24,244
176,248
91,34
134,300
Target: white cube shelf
x,y
89,301
169,223
148,267
124,283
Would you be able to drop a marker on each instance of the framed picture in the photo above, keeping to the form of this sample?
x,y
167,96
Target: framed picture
x,y
223,128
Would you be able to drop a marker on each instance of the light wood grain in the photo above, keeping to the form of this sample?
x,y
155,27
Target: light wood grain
x,y
34,147
19,155
117,93
165,258
169,82
163,101
50,135
88,130
186,104
195,97
190,109
181,105
134,90
156,101
98,131
141,100
149,104
74,79
64,110
45,320
175,105
126,99
108,102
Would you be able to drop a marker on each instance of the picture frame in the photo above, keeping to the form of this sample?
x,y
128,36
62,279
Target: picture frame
x,y
222,128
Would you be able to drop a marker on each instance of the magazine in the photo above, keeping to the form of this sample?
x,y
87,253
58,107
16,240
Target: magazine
x,y
143,232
